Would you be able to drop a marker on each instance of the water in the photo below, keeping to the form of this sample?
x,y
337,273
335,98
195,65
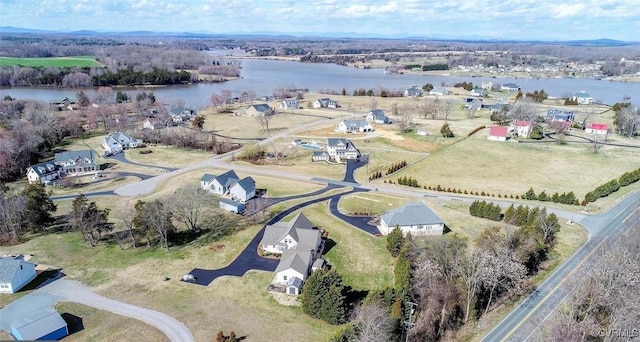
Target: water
x,y
264,76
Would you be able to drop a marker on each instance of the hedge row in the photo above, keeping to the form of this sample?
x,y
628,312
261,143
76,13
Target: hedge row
x,y
485,210
564,198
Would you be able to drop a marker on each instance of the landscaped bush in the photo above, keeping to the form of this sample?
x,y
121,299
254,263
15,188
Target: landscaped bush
x,y
486,210
145,151
408,181
603,190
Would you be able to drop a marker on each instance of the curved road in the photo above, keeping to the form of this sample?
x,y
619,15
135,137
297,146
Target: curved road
x,y
73,291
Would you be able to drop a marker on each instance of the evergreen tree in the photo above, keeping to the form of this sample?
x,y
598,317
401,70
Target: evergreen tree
x,y
323,296
395,240
39,207
509,214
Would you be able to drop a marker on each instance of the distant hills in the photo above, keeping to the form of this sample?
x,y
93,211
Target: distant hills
x,y
326,35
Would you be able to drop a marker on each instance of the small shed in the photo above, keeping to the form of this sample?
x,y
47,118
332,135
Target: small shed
x,y
231,205
15,273
319,264
294,285
43,324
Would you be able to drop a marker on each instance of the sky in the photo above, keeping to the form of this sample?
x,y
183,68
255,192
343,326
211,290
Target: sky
x,y
495,19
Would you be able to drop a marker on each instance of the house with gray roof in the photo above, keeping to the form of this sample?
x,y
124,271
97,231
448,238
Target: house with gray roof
x,y
15,273
231,205
229,185
441,91
43,172
290,104
119,141
293,269
39,324
510,87
413,92
77,161
479,92
415,218
325,102
299,245
259,109
378,116
340,148
351,126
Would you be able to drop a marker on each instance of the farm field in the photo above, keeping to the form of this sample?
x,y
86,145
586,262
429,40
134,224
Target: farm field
x,y
512,168
58,62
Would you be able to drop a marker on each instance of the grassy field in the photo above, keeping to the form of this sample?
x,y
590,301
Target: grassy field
x,y
99,325
230,303
477,164
57,62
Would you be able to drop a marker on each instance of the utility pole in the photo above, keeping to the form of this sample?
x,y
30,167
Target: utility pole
x,y
408,324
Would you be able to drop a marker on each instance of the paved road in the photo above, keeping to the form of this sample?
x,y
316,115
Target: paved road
x,y
147,186
122,158
249,258
73,291
522,323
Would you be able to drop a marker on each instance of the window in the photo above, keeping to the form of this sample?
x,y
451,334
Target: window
x,y
422,227
284,277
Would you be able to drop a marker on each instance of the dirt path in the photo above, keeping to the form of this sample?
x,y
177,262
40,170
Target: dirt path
x,y
74,291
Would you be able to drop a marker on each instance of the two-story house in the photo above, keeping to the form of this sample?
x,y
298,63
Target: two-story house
x,y
378,116
43,172
77,161
290,104
229,185
325,102
119,141
340,148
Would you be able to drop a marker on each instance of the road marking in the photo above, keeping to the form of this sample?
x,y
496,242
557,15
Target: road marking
x,y
629,216
543,300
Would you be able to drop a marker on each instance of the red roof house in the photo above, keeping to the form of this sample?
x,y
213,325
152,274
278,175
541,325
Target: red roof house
x,y
498,133
597,128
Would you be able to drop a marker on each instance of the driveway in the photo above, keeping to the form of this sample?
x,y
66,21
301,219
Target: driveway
x,y
73,291
249,258
122,158
360,222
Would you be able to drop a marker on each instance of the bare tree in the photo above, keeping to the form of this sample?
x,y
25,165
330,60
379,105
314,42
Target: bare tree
x,y
189,205
405,123
125,220
373,323
523,109
263,119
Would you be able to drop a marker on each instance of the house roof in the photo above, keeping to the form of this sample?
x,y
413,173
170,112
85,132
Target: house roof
x,y
320,153
246,183
122,137
498,131
415,213
523,123
440,90
228,178
378,114
231,202
413,91
297,260
44,168
582,94
295,282
599,126
510,85
38,323
8,267
73,155
299,228
207,177
333,142
261,107
355,123
479,90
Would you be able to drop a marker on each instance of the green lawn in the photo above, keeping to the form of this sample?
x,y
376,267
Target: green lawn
x,y
58,62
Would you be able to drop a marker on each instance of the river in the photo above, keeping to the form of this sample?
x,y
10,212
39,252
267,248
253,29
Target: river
x,y
265,75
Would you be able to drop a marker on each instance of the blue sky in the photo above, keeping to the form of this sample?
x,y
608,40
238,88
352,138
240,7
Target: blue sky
x,y
500,19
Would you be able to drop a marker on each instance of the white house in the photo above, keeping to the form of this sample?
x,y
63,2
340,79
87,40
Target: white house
x,y
597,128
153,123
510,87
498,133
320,156
378,116
325,102
15,273
339,148
260,109
43,172
439,91
479,92
554,114
415,218
299,244
583,98
290,104
296,234
413,92
522,128
293,269
119,141
350,126
243,190
229,185
77,161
